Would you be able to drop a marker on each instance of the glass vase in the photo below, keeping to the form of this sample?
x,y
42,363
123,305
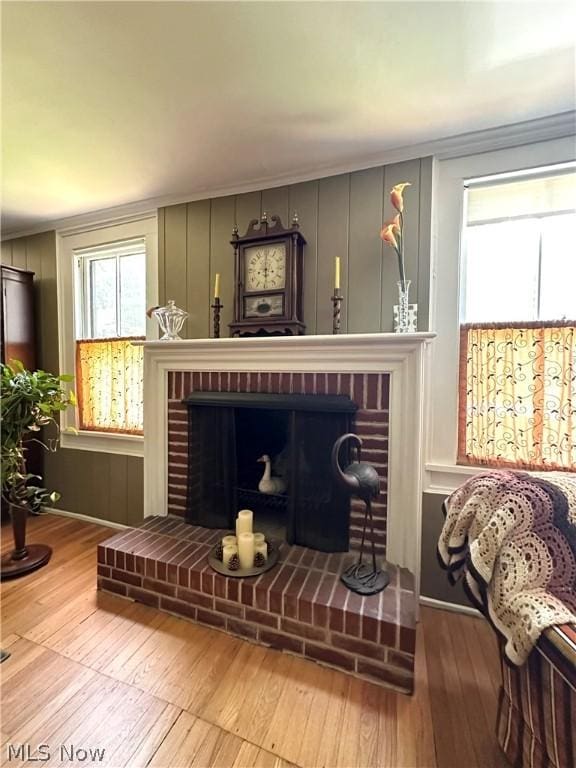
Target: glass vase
x,y
404,320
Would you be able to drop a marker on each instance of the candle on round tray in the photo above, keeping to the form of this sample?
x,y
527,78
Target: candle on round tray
x,y
259,538
229,541
246,550
244,521
228,552
262,548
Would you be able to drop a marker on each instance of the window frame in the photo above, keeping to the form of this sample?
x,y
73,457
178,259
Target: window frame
x,y
144,226
441,472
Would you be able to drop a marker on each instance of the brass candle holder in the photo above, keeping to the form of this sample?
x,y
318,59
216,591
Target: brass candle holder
x,y
216,310
336,310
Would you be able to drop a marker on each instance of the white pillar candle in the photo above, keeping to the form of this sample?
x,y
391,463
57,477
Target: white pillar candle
x,y
244,522
228,541
246,549
259,538
228,551
262,547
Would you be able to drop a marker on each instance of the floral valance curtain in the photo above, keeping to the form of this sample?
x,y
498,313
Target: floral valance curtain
x,y
109,380
518,395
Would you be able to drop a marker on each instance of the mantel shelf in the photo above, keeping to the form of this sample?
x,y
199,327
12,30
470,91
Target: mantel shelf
x,y
327,341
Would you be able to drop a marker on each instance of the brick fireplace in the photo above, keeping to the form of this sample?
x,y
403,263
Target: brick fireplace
x,y
300,606
382,373
369,392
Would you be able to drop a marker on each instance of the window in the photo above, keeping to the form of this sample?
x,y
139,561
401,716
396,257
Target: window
x,y
514,155
111,290
517,394
107,276
519,245
110,315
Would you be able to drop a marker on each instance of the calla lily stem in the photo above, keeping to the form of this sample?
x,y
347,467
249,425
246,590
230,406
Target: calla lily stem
x,y
392,232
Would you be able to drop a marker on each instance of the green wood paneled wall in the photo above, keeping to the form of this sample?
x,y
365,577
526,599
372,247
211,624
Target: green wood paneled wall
x,y
433,579
339,216
102,485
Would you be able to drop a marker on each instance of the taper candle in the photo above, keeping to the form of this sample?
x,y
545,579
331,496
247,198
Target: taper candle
x,y
244,521
246,550
337,275
229,551
217,286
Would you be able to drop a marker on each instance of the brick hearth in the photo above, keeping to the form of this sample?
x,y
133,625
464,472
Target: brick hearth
x,y
370,392
300,606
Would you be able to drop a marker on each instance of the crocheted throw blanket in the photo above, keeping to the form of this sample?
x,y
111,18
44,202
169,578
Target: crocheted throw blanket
x,y
512,536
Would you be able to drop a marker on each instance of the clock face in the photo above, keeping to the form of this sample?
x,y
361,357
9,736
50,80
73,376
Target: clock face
x,y
265,267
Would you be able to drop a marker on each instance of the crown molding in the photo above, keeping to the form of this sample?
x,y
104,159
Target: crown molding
x,y
89,224
557,126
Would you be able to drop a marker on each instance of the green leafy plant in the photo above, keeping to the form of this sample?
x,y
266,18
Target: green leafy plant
x,y
30,401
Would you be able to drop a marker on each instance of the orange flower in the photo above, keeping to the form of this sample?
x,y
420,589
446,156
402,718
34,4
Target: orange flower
x,y
396,195
387,234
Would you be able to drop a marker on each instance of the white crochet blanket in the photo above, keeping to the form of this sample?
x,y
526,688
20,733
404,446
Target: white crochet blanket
x,y
512,536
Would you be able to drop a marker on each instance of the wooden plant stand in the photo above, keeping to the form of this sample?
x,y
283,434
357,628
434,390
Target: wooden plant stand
x,y
23,558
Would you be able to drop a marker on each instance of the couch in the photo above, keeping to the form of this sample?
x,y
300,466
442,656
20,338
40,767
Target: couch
x,y
511,538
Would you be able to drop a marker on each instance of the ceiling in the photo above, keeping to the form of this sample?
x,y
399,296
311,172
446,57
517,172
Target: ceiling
x,y
107,103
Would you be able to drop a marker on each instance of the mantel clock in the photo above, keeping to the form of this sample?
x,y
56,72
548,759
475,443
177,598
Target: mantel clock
x,y
268,276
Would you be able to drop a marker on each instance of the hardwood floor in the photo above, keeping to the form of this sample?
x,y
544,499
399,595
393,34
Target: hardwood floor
x,y
91,670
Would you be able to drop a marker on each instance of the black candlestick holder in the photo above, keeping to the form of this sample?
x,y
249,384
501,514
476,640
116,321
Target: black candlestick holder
x,y
336,310
216,309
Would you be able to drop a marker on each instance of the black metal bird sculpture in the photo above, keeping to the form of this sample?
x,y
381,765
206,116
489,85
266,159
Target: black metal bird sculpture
x,y
361,480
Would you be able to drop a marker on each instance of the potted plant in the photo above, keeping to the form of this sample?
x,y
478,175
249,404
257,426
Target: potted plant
x,y
30,401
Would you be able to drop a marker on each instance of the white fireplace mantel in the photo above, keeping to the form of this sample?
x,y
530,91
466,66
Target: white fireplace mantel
x,y
403,356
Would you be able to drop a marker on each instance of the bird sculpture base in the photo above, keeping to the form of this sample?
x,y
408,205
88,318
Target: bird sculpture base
x,y
363,580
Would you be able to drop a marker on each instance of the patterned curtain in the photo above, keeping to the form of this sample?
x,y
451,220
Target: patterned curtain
x,y
518,395
109,380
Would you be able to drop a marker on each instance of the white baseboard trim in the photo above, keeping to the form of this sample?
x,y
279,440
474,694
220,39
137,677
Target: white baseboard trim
x,y
431,602
85,518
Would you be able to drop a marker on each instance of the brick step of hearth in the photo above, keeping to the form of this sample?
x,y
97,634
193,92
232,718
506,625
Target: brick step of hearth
x,y
300,606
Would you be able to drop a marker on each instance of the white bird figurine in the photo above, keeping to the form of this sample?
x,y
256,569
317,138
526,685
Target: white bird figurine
x,y
269,484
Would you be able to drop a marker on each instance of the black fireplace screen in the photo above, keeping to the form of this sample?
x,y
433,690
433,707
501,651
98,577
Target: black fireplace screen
x,y
229,432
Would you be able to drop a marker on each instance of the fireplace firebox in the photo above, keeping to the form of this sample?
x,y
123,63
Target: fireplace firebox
x,y
229,431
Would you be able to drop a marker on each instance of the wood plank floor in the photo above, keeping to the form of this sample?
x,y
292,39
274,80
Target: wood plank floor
x,y
92,670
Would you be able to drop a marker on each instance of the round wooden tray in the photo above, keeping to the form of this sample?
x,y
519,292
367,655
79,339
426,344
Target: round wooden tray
x,y
242,573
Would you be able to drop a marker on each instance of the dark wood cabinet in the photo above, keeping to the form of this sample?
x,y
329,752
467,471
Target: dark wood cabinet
x,y
18,335
17,329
